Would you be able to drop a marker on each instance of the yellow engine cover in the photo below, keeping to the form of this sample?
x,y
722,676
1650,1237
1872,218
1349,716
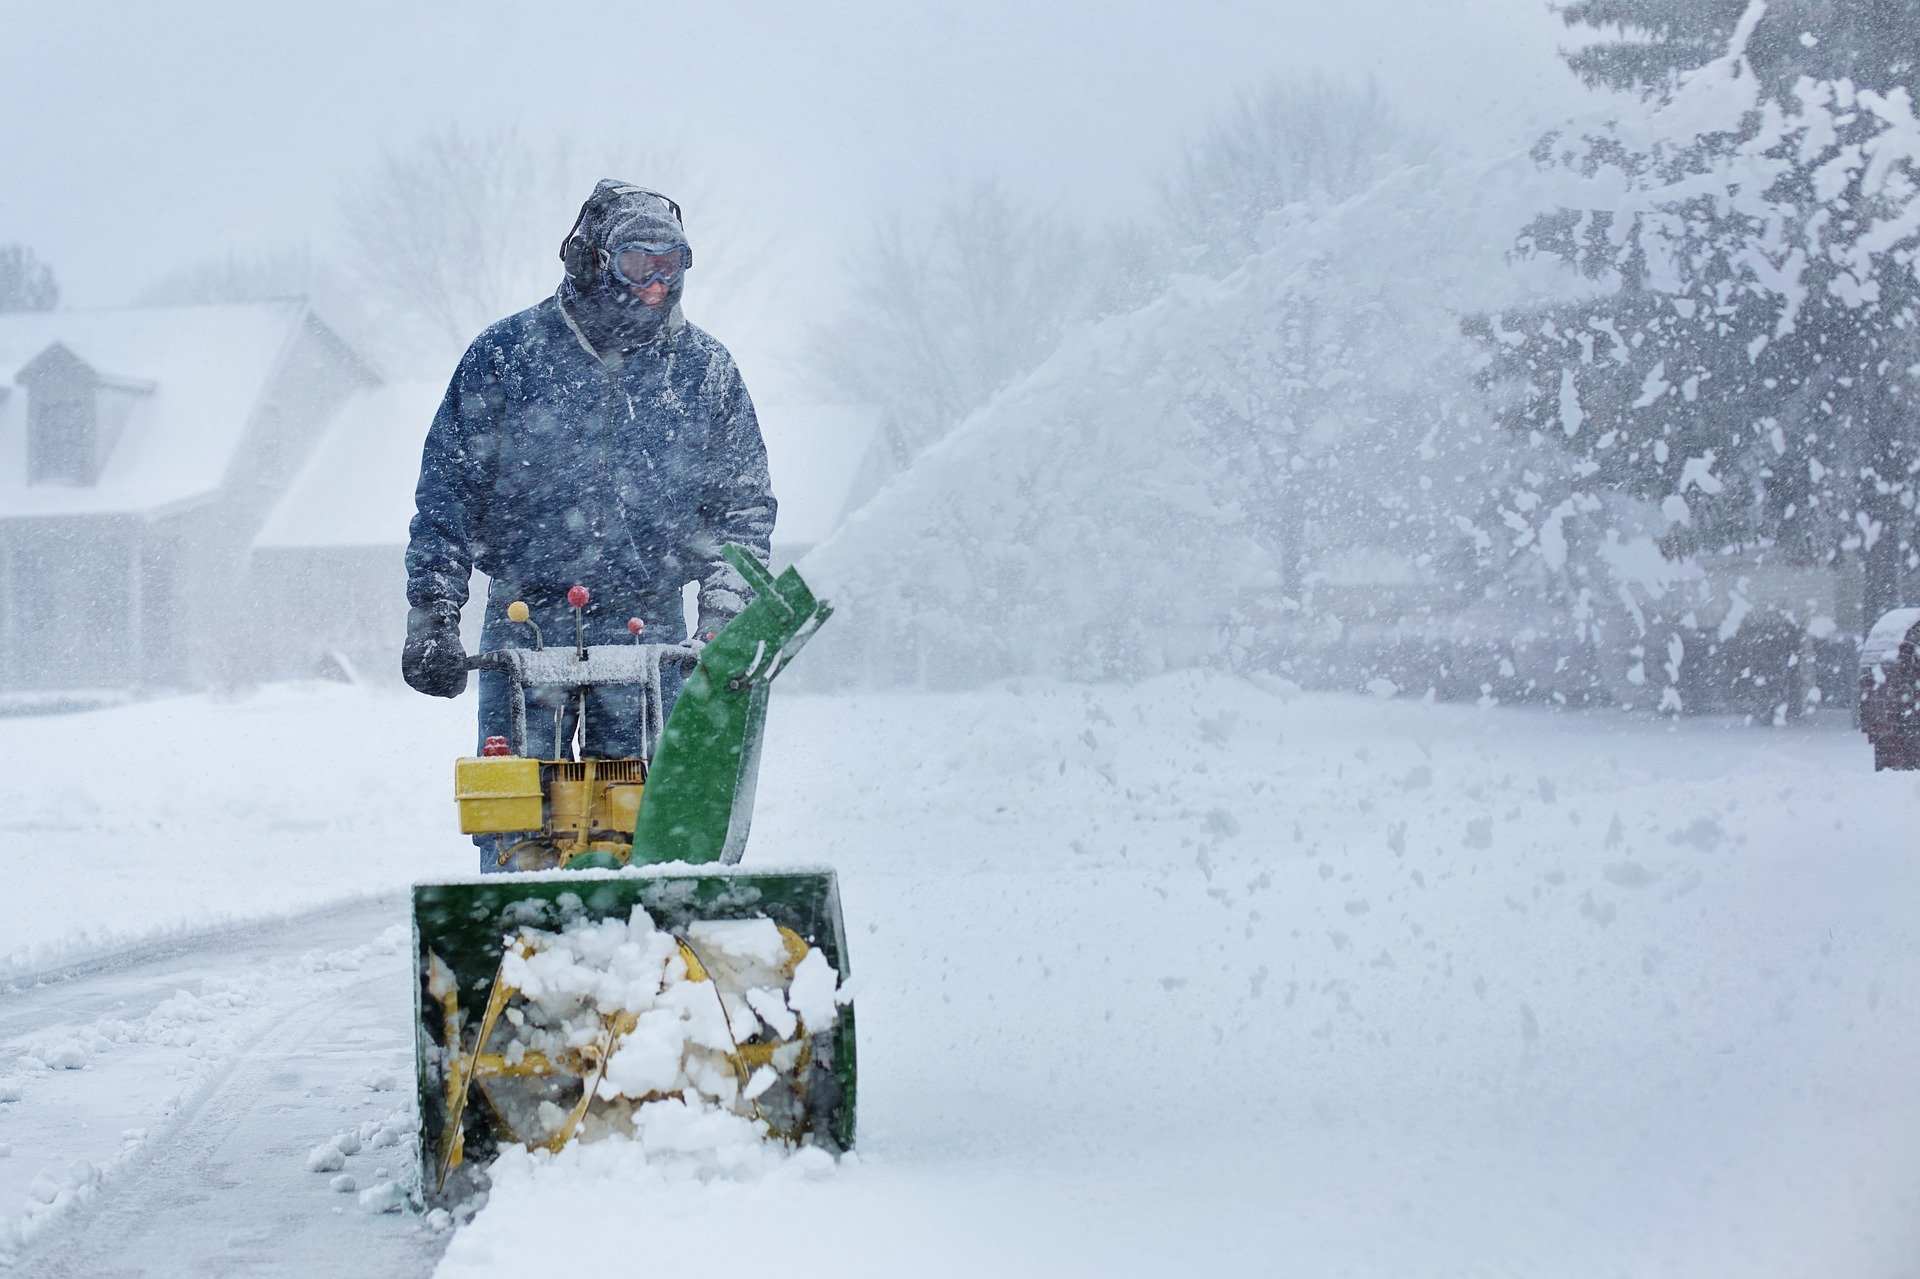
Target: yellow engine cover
x,y
497,794
590,797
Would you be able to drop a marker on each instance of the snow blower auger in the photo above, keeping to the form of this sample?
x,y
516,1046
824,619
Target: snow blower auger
x,y
624,975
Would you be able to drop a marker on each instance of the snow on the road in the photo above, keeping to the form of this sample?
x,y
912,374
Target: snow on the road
x,y
1198,975
183,813
156,1105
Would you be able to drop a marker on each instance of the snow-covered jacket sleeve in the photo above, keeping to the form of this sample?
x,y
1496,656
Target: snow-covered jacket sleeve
x,y
454,470
737,503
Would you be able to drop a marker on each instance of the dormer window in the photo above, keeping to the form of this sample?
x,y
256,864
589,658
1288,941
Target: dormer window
x,y
75,415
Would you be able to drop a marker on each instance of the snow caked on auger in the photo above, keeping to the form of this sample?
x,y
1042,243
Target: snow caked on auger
x,y
625,975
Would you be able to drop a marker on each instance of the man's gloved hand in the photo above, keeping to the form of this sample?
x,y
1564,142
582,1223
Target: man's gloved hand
x,y
433,662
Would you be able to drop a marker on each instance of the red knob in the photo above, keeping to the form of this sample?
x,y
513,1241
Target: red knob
x,y
578,597
635,626
495,746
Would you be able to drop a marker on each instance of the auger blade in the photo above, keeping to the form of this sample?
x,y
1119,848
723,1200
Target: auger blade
x,y
467,1080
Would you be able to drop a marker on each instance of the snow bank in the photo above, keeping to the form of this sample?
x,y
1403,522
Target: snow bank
x,y
1111,513
219,810
618,1205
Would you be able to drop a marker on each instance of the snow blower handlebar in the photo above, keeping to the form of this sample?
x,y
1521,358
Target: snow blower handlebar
x,y
703,761
576,670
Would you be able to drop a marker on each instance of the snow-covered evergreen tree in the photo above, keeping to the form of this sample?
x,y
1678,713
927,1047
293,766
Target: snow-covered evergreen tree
x,y
1749,362
1644,46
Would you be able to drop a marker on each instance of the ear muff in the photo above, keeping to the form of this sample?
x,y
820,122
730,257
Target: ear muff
x,y
578,258
581,258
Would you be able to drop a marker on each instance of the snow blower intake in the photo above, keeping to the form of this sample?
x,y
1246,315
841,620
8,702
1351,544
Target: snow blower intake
x,y
623,974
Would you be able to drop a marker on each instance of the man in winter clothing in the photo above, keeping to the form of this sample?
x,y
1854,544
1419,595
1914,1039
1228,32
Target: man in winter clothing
x,y
596,438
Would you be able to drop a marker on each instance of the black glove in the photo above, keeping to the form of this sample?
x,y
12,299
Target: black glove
x,y
433,662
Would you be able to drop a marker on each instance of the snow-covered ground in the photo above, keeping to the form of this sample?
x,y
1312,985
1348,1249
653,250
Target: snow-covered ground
x,y
167,1104
1178,978
185,813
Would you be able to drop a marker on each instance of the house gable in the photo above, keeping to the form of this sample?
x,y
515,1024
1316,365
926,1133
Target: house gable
x,y
173,393
75,416
138,498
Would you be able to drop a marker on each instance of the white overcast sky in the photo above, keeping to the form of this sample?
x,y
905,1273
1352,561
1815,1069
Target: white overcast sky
x,y
139,137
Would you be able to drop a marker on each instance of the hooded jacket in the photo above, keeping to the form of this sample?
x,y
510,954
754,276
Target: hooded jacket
x,y
624,465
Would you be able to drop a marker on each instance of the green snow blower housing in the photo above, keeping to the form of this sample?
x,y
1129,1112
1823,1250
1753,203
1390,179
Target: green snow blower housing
x,y
587,844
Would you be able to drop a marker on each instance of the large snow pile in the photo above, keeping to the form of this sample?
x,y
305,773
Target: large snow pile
x,y
623,1205
1111,514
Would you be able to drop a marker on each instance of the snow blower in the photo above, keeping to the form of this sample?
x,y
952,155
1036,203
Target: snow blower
x,y
624,974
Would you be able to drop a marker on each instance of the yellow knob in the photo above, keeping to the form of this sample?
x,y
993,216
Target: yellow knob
x,y
517,611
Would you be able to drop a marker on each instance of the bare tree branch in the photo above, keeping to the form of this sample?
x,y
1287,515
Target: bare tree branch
x,y
1315,142
462,229
945,314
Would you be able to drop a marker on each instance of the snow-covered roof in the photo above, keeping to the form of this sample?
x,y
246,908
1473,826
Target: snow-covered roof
x,y
1888,634
357,487
815,452
209,368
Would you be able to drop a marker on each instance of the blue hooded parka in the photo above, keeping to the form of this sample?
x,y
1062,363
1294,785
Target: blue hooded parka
x,y
591,440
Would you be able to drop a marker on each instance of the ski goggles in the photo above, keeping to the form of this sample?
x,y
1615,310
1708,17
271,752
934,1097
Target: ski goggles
x,y
642,264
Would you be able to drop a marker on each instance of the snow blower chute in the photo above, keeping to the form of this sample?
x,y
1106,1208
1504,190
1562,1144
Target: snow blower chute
x,y
624,971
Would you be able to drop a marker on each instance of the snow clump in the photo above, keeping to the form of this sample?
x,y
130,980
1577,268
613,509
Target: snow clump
x,y
673,1083
384,1196
326,1158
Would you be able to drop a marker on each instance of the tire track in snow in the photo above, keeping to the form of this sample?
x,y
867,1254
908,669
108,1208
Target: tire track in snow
x,y
220,1185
